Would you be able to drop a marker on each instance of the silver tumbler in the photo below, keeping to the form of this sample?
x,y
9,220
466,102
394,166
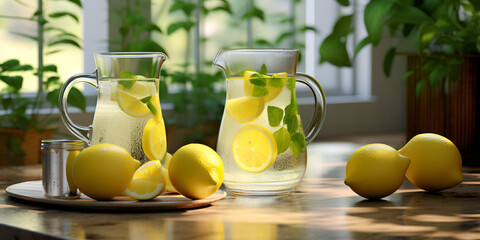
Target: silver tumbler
x,y
58,156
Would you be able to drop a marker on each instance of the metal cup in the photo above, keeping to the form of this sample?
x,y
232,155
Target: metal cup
x,y
57,156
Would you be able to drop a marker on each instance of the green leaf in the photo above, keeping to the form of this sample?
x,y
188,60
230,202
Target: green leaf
x,y
298,144
276,82
282,137
76,2
419,87
259,91
437,74
307,28
426,33
146,99
9,65
65,41
406,76
63,14
283,36
361,45
263,69
258,81
48,68
343,2
291,119
76,99
152,108
34,38
124,74
275,116
186,7
291,84
149,27
374,18
402,14
343,26
13,81
255,12
388,61
180,25
242,73
334,51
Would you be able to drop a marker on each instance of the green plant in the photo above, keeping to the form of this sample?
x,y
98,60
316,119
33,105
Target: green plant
x,y
440,31
21,110
24,112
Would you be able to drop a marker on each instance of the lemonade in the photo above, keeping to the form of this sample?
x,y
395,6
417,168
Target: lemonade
x,y
261,140
128,114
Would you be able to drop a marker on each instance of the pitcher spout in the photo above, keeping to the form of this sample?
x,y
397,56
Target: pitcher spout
x,y
219,60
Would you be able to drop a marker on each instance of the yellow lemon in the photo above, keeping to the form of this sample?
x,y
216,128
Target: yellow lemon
x,y
168,186
154,139
130,99
103,171
148,181
196,171
436,162
254,148
244,109
273,92
70,159
376,170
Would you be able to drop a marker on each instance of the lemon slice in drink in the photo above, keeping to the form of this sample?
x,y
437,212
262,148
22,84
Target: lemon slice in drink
x,y
254,148
273,92
148,181
245,109
154,140
130,99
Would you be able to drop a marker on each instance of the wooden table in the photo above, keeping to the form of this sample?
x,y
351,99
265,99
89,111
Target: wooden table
x,y
322,207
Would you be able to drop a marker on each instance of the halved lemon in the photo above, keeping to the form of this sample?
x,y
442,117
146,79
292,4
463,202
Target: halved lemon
x,y
245,109
148,181
254,148
130,99
154,139
273,92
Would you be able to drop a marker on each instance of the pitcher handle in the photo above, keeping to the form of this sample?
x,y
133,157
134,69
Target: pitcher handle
x,y
81,132
319,107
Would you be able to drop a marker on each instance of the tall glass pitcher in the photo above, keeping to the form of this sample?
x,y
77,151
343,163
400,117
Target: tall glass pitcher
x,y
128,110
261,141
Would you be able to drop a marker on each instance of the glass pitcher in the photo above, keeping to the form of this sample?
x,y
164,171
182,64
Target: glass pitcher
x,y
128,110
261,140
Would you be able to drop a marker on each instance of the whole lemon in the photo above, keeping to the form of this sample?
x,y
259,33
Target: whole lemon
x,y
375,170
436,162
196,171
103,171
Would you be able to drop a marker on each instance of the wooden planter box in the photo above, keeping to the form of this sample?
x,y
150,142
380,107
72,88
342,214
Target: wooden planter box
x,y
450,108
29,140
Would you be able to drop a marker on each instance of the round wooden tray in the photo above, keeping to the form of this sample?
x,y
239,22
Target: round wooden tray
x,y
33,191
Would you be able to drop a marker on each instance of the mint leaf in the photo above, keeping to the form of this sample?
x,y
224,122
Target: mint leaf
x,y
242,73
291,83
291,119
263,69
282,137
152,108
127,83
275,116
124,74
298,144
262,82
276,82
259,91
146,99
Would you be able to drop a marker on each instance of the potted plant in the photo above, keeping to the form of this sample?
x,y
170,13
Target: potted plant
x,y
23,122
442,73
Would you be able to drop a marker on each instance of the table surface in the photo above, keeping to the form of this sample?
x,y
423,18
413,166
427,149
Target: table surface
x,y
322,207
